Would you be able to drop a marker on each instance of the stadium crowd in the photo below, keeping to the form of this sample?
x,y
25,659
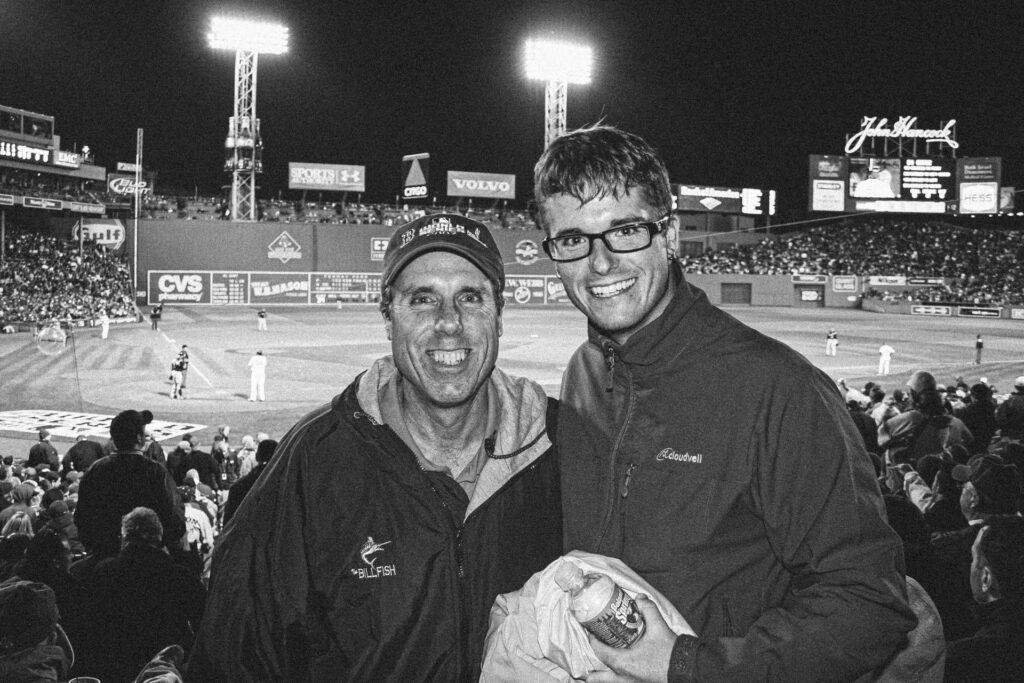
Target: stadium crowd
x,y
46,278
981,266
104,550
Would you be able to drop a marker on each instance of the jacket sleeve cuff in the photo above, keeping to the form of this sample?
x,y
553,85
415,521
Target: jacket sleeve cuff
x,y
683,663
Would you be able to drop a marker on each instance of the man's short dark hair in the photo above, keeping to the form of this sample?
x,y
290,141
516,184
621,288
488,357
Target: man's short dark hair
x,y
126,428
1002,547
600,161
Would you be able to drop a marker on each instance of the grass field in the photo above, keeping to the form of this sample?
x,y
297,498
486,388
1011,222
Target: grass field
x,y
314,353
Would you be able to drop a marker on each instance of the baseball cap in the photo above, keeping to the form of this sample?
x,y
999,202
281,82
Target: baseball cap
x,y
444,232
921,381
997,483
43,433
1019,382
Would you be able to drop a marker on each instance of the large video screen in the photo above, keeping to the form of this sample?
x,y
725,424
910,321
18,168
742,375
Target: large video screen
x,y
901,185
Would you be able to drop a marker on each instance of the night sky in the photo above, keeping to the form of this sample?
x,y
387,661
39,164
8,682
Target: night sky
x,y
732,93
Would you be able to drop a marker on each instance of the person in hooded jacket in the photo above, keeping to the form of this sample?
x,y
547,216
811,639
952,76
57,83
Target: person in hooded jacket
x,y
924,430
374,543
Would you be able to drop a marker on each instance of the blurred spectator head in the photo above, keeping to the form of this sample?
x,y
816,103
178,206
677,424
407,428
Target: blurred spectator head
x,y
928,466
265,450
19,523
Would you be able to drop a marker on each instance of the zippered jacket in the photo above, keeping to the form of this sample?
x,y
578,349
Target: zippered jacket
x,y
724,468
348,562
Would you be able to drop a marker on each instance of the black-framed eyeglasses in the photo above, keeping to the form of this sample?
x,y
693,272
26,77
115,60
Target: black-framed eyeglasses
x,y
621,239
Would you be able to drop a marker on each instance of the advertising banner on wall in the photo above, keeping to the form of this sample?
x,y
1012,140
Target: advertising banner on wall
x,y
978,179
122,184
485,185
279,288
744,200
329,288
108,232
415,170
524,289
178,287
330,177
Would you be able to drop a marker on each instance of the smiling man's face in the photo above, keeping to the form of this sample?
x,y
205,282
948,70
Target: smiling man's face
x,y
619,293
444,327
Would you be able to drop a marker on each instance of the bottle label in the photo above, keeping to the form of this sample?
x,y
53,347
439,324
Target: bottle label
x,y
620,623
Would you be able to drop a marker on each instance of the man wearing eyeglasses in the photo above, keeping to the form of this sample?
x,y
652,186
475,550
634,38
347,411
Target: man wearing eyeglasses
x,y
715,461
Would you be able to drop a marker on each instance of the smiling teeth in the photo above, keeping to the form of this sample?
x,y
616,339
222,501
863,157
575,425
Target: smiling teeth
x,y
449,357
612,290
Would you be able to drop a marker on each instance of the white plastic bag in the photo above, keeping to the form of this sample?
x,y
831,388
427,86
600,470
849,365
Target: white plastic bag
x,y
534,639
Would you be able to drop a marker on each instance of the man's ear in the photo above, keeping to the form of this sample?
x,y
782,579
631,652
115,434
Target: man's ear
x,y
987,580
672,236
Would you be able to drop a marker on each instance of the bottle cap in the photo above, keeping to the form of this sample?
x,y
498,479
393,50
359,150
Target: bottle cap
x,y
568,575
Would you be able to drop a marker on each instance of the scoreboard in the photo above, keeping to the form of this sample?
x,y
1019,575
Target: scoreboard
x,y
939,185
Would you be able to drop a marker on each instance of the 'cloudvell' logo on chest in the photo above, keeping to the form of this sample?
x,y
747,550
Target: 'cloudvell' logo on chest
x,y
670,454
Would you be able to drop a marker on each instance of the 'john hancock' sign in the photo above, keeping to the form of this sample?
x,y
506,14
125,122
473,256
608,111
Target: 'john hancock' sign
x,y
903,127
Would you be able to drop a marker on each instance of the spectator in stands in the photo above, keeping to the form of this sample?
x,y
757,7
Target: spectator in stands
x,y
21,497
118,483
246,455
868,431
176,461
881,408
1010,413
12,550
990,487
46,560
81,455
134,604
995,653
19,523
61,521
152,449
203,463
33,646
43,452
238,492
934,491
951,599
924,430
979,416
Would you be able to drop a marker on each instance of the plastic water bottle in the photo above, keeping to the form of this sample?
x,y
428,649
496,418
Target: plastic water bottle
x,y
601,606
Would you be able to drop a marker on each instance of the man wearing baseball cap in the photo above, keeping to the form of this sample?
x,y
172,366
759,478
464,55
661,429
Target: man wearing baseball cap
x,y
375,541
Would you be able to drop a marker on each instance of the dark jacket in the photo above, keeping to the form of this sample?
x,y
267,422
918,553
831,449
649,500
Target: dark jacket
x,y
913,434
82,455
995,654
204,465
725,469
116,485
130,608
43,453
348,562
240,490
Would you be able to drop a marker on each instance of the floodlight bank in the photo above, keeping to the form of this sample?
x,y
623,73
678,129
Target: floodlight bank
x,y
247,36
558,61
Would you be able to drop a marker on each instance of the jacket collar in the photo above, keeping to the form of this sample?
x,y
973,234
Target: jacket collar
x,y
663,336
521,407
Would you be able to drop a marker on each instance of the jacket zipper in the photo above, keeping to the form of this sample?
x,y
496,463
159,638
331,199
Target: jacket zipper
x,y
613,474
624,490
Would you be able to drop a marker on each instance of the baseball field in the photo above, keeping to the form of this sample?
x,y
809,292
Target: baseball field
x,y
313,353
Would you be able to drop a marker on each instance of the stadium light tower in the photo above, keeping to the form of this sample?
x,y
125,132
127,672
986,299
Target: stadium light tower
x,y
559,63
244,147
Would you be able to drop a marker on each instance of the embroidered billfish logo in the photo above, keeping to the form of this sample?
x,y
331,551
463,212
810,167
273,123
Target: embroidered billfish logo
x,y
370,548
